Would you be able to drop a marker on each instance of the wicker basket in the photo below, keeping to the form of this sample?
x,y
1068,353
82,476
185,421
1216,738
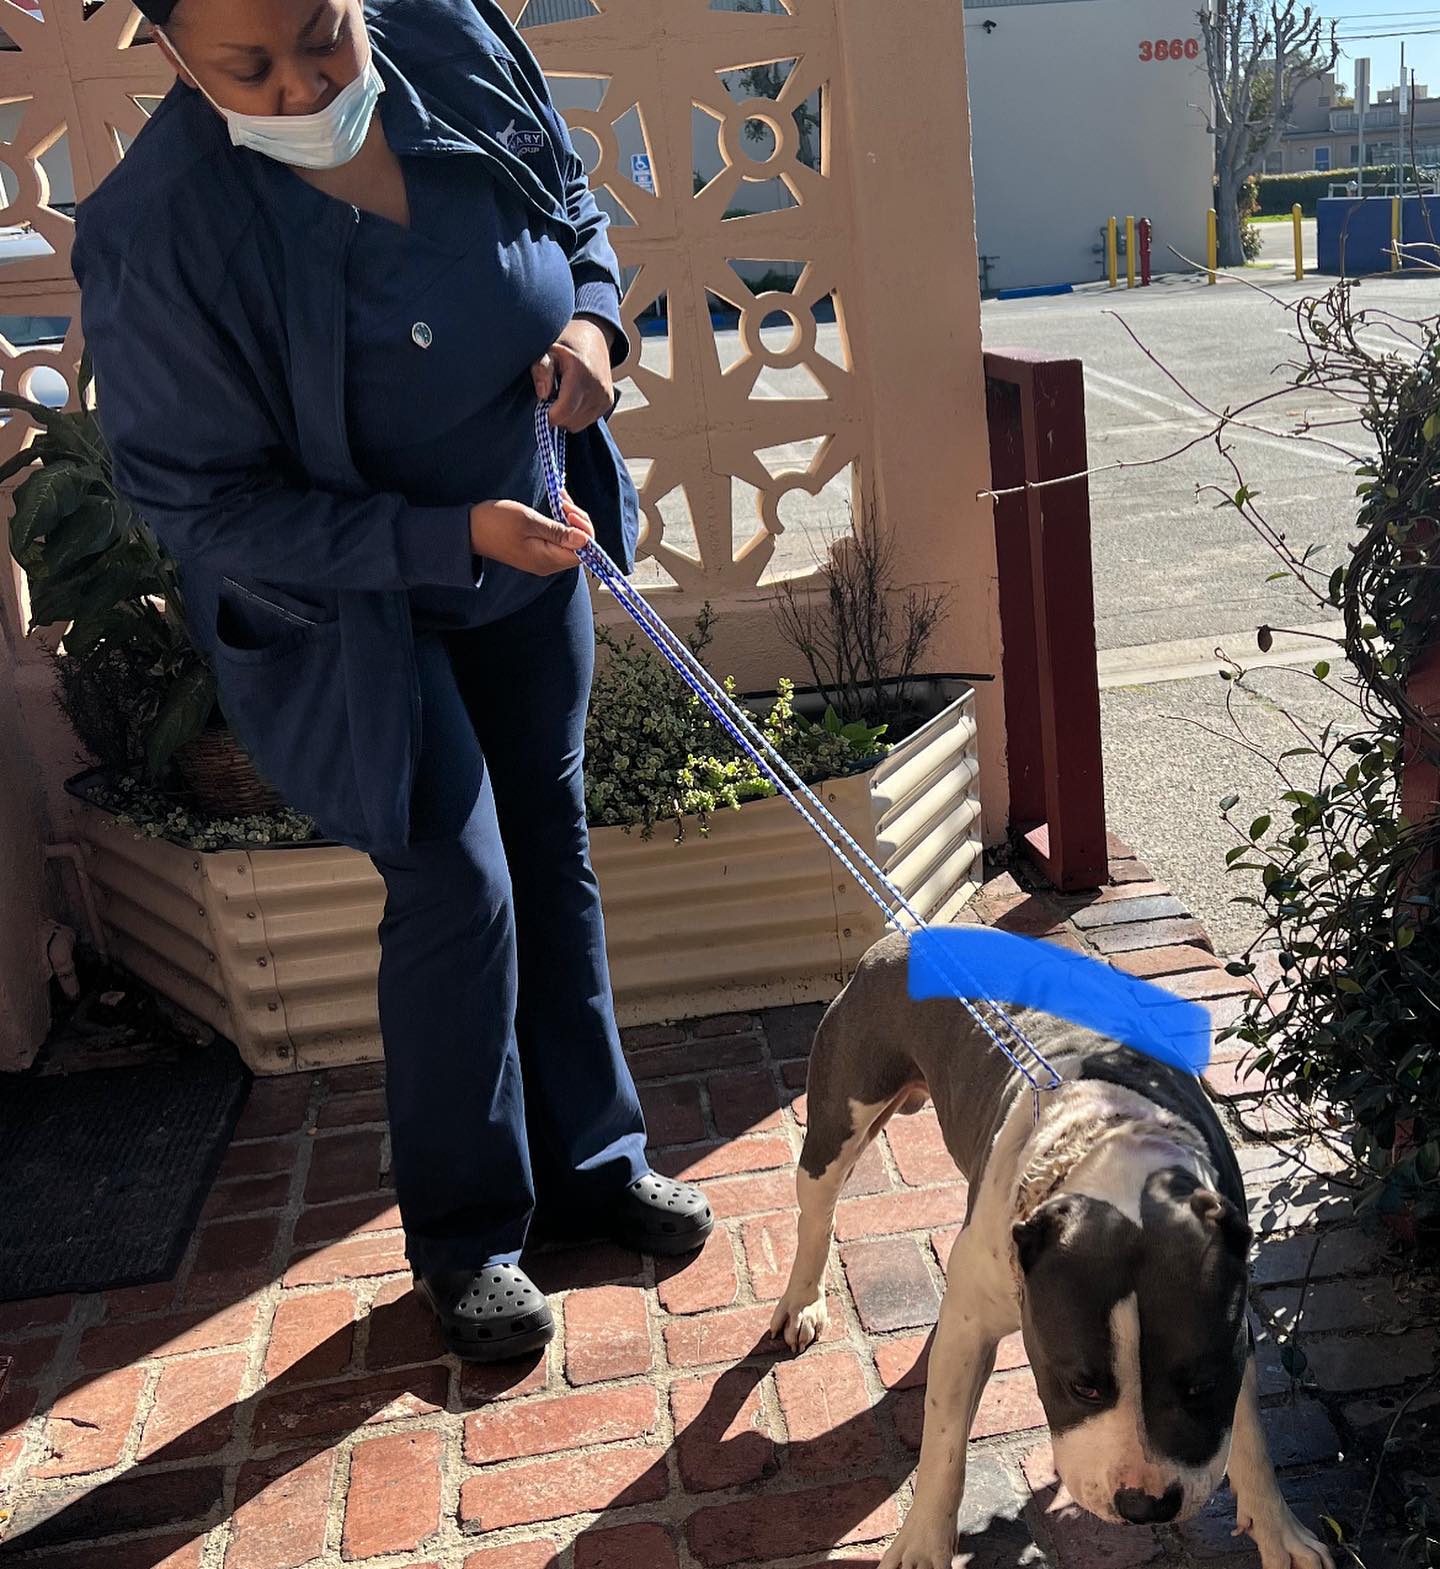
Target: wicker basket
x,y
220,775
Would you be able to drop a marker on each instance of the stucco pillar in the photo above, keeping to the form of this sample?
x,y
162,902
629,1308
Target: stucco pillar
x,y
908,135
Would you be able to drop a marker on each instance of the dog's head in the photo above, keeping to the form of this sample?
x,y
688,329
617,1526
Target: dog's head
x,y
1134,1320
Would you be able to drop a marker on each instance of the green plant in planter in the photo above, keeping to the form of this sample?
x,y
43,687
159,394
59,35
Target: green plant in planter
x,y
655,755
154,814
131,681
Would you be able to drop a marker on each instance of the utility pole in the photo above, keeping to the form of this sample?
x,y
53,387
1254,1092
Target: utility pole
x,y
1362,103
1402,110
1279,55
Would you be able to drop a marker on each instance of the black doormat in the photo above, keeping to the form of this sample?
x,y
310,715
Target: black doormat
x,y
103,1174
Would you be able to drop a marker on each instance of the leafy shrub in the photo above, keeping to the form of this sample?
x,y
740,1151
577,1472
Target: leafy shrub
x,y
110,697
1252,242
95,566
655,755
1279,192
1345,883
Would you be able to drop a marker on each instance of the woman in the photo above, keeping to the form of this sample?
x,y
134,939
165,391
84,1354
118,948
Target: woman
x,y
323,291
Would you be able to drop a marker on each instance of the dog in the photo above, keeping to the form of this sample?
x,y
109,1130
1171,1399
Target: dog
x,y
1111,1231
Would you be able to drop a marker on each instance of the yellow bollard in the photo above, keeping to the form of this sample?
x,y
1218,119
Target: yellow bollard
x,y
1296,215
1212,241
1112,252
1397,231
1129,253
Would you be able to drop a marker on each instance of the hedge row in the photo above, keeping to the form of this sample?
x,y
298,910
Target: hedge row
x,y
1280,192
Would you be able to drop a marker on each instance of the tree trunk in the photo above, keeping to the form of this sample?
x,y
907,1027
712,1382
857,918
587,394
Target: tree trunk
x,y
1227,209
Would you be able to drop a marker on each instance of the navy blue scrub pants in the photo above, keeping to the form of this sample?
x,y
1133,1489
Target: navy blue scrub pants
x,y
504,1074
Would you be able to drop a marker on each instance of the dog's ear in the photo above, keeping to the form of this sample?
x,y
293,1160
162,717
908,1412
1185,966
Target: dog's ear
x,y
1216,1213
1042,1230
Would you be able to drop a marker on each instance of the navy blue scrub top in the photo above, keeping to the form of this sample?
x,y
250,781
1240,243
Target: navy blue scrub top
x,y
443,322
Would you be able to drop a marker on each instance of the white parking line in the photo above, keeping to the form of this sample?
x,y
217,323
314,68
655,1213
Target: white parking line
x,y
1093,377
1379,337
1182,426
1144,392
1372,338
1252,438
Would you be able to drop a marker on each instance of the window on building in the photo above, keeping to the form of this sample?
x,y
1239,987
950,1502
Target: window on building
x,y
1322,157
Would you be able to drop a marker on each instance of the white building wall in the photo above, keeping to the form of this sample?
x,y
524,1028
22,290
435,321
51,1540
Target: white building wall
x,y
1072,125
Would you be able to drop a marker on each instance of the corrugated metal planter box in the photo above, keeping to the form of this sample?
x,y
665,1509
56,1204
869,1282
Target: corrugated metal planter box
x,y
276,948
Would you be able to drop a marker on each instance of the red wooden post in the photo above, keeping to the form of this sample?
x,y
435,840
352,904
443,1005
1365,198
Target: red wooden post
x,y
1420,774
1420,757
1146,234
1036,411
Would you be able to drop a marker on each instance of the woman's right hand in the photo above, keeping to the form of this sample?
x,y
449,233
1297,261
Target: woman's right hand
x,y
521,537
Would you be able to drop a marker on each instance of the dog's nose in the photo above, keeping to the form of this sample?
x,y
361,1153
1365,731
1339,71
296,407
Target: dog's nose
x,y
1140,1508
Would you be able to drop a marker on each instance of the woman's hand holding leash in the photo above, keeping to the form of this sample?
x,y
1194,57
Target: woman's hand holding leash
x,y
520,537
576,373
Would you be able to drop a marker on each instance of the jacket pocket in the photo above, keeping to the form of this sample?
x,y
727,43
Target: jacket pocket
x,y
286,700
255,624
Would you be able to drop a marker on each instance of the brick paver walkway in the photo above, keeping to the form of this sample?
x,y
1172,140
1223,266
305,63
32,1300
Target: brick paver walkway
x,y
285,1403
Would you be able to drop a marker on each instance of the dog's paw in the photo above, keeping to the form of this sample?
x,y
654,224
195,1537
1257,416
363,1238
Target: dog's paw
x,y
1284,1543
800,1319
922,1543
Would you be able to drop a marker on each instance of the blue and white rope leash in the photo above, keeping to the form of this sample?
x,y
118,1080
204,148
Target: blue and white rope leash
x,y
1021,1052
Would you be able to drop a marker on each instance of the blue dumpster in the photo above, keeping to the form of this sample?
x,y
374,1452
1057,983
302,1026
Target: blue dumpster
x,y
1354,233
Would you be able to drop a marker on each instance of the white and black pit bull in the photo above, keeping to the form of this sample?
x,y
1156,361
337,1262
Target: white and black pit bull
x,y
1112,1233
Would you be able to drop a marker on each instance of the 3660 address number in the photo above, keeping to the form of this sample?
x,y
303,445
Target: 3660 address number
x,y
1170,49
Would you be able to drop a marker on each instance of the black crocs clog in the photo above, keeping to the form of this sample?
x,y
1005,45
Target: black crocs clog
x,y
659,1216
492,1314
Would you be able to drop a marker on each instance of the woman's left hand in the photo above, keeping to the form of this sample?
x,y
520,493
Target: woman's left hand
x,y
576,373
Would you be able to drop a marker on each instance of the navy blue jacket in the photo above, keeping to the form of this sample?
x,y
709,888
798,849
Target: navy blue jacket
x,y
216,326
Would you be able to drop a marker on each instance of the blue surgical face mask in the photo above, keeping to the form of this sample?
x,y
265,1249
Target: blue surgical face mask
x,y
324,140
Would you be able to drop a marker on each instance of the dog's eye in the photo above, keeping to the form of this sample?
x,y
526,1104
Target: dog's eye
x,y
1200,1389
1086,1394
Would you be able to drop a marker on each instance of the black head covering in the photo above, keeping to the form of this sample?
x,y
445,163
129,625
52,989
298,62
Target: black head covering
x,y
158,11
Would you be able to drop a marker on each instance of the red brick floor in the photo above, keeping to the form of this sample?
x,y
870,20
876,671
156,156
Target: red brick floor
x,y
284,1403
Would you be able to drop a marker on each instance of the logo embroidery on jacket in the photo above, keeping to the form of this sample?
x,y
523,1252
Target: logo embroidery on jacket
x,y
518,141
